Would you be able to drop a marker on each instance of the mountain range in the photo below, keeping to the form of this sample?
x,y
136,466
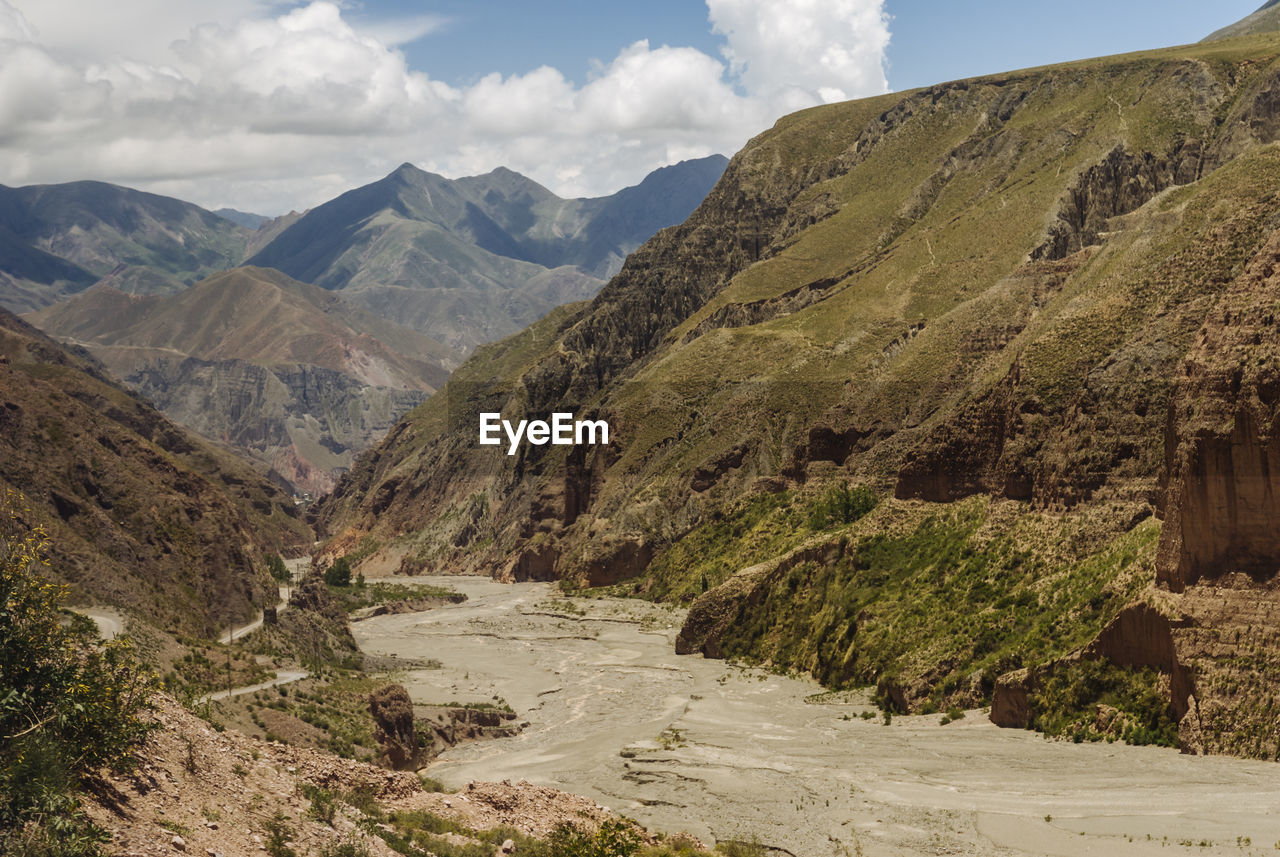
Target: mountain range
x,y
967,393
56,240
282,370
302,377
474,259
464,260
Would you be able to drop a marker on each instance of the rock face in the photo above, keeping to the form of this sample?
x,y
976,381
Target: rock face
x,y
392,712
442,727
1223,446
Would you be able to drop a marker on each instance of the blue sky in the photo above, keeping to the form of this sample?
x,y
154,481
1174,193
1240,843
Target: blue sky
x,y
272,105
932,41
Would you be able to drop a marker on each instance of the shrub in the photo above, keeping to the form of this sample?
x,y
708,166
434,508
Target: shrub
x,y
275,564
338,574
613,839
841,504
70,704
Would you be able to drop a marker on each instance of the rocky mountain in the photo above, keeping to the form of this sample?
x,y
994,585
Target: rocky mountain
x,y
1265,20
474,259
285,372
966,393
55,240
140,513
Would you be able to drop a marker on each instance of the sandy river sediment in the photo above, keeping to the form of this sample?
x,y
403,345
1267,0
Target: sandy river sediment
x,y
684,743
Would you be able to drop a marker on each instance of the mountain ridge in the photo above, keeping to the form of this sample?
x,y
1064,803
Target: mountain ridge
x,y
284,371
436,252
140,513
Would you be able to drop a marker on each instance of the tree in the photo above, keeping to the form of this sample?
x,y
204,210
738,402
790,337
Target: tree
x,y
338,574
70,704
279,571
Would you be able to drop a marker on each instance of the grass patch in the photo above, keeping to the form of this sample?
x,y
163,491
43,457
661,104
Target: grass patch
x,y
1099,701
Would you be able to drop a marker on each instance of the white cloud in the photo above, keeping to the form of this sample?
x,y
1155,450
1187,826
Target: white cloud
x,y
271,110
798,48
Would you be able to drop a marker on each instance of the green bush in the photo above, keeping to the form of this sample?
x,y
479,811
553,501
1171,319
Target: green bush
x,y
841,504
613,839
1067,704
279,571
70,704
338,574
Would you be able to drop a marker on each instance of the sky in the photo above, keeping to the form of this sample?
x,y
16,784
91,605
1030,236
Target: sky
x,y
273,105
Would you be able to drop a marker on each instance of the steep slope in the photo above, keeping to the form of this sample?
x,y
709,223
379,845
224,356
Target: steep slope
x,y
1265,20
148,243
472,260
972,302
285,372
141,514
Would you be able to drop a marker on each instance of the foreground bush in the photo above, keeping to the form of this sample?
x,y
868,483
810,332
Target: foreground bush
x,y
70,704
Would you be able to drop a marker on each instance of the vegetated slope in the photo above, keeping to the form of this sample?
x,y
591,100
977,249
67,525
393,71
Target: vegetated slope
x,y
1265,20
472,260
141,514
283,371
146,243
977,299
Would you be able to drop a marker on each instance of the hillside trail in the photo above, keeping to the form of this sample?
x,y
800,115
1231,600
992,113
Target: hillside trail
x,y
296,567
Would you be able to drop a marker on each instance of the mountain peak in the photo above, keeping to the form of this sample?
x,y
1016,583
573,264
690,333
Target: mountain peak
x,y
1266,19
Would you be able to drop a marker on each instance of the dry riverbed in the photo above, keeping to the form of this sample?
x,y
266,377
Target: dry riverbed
x,y
684,743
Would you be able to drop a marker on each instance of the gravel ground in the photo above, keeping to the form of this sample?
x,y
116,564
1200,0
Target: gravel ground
x,y
684,743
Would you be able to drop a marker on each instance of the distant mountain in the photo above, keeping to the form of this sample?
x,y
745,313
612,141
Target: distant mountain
x,y
283,371
141,513
474,259
57,239
1265,20
242,218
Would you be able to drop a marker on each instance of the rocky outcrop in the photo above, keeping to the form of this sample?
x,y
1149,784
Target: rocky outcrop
x,y
1223,439
1011,699
1122,182
441,727
713,613
392,713
715,610
1140,636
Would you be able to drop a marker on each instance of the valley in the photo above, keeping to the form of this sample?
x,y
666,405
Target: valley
x,y
908,483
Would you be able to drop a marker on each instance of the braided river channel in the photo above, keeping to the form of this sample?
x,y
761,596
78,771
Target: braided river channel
x,y
729,753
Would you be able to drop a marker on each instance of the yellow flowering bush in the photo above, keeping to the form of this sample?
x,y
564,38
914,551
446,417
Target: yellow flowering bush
x,y
70,704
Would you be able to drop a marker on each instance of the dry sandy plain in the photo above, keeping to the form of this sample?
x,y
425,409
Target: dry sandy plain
x,y
685,743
